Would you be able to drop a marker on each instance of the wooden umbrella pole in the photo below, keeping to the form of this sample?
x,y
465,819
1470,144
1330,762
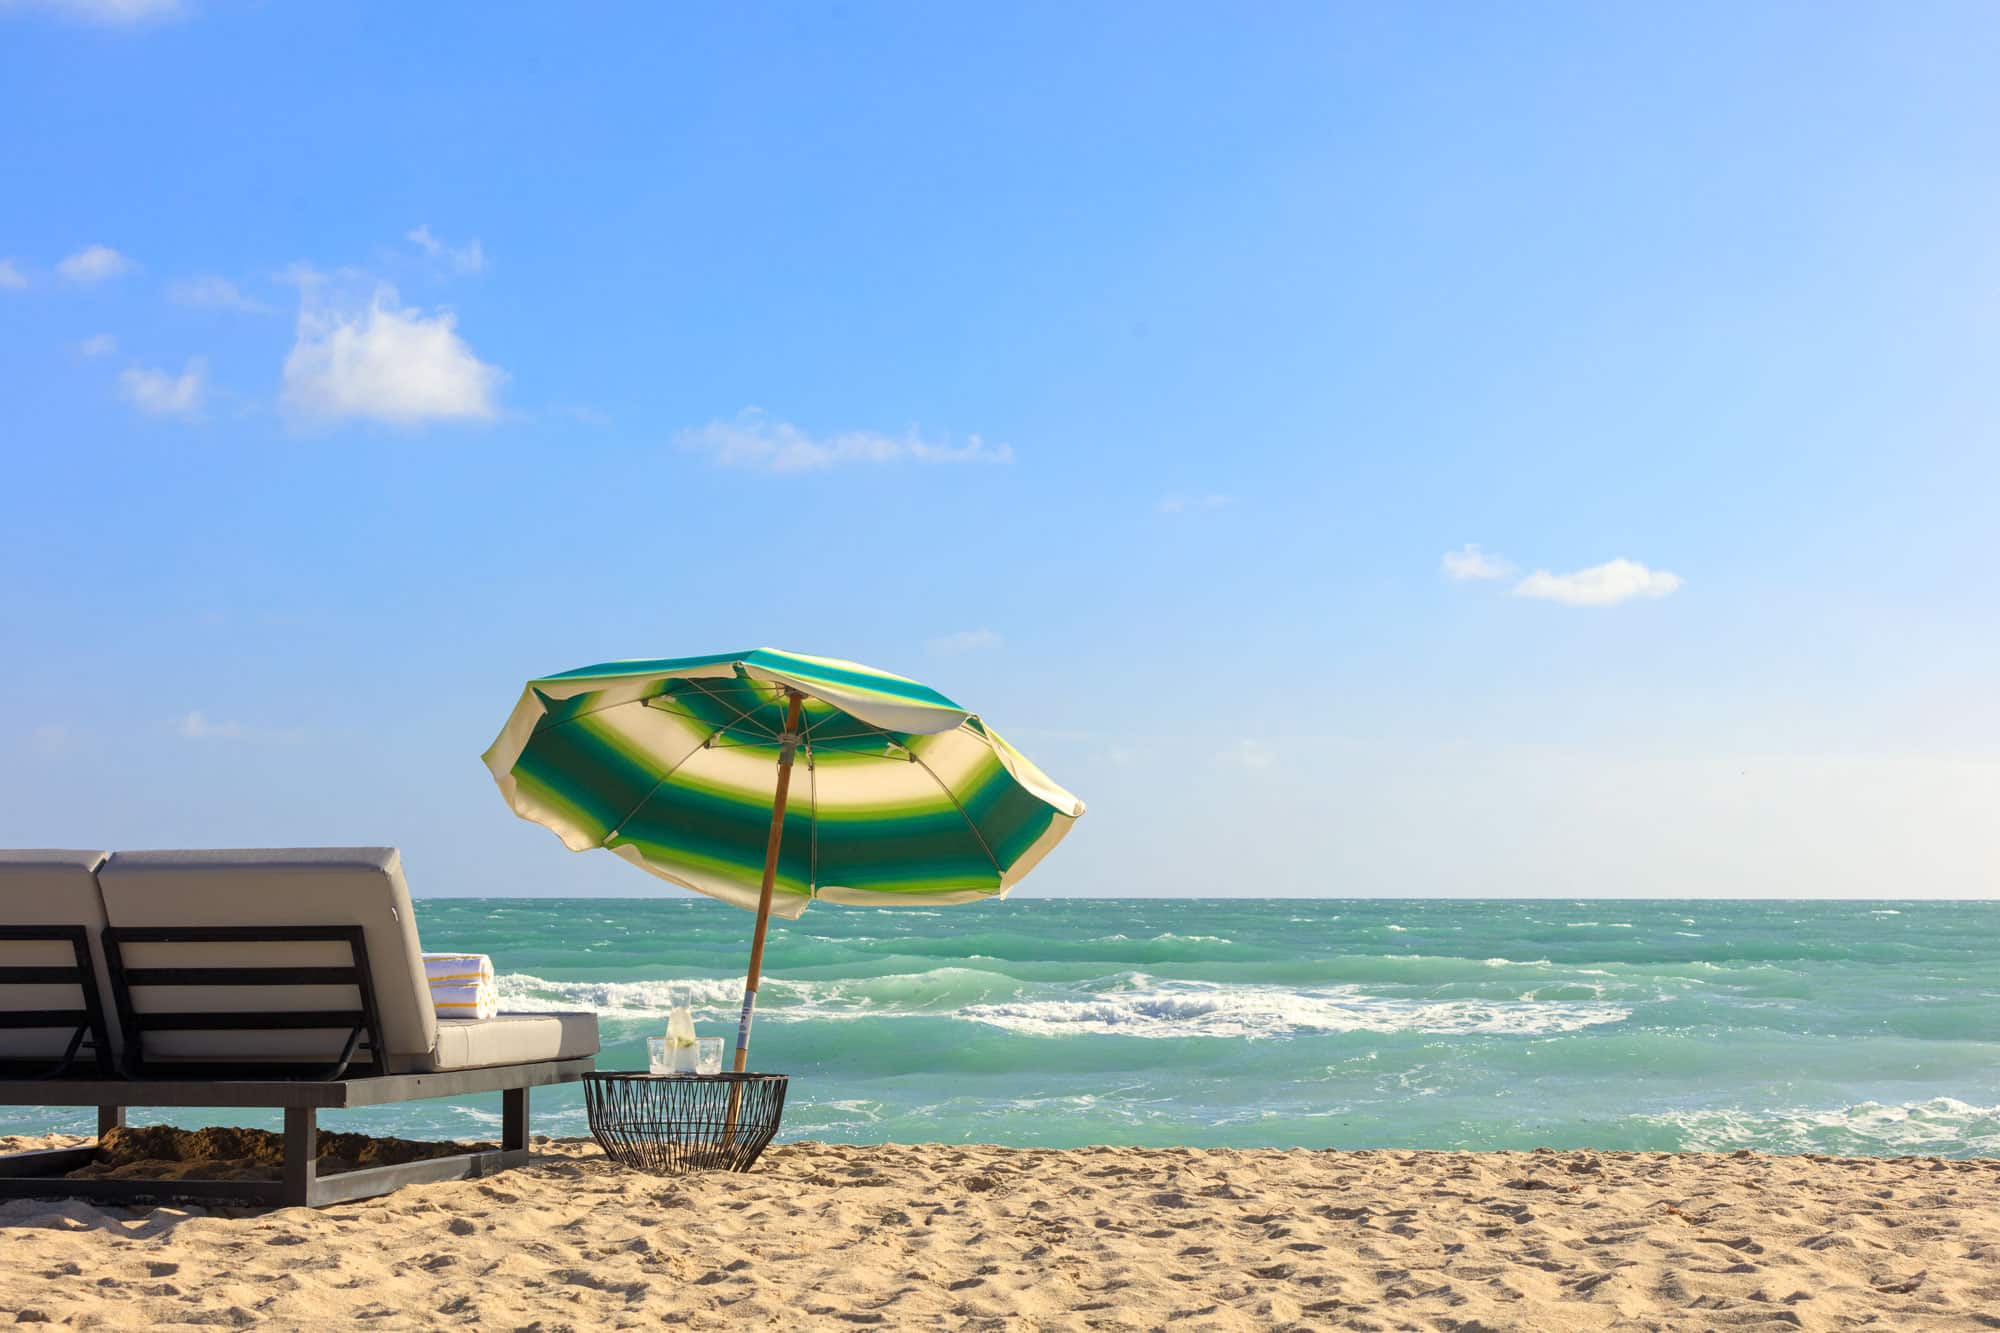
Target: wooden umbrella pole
x,y
789,746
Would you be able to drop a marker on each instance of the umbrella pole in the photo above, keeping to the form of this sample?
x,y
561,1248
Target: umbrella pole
x,y
790,745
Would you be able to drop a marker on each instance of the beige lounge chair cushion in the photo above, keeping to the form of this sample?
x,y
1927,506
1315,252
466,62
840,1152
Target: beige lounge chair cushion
x,y
512,1039
317,886
50,888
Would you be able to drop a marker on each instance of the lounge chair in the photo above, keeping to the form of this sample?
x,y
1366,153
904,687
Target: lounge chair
x,y
286,978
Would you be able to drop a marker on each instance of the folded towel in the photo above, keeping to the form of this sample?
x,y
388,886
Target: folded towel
x,y
473,967
464,1000
462,985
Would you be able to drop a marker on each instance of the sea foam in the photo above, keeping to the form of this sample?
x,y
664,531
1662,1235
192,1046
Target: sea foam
x,y
1195,1009
1937,1125
1131,1004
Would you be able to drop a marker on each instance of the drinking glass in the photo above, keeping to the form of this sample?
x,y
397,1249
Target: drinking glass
x,y
708,1055
658,1060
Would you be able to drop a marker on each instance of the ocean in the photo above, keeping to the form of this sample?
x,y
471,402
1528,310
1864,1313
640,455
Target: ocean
x,y
1781,1026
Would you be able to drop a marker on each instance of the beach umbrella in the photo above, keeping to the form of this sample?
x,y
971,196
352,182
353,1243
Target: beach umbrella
x,y
685,767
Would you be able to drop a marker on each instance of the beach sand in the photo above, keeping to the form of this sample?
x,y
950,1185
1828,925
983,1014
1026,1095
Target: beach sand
x,y
938,1236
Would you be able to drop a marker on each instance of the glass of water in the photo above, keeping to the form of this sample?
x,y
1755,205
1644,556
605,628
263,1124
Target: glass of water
x,y
708,1055
659,1061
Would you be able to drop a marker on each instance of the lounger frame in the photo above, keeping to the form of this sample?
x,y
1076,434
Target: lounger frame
x,y
302,1090
40,1174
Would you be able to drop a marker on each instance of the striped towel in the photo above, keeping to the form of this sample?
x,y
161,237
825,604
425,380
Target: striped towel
x,y
462,985
469,967
453,999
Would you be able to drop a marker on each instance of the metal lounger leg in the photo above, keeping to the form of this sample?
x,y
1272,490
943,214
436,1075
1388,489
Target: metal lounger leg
x,y
514,1119
109,1118
301,1154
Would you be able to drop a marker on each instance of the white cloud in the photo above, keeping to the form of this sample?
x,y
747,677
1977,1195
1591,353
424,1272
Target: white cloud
x,y
1247,753
965,641
11,276
198,728
206,289
108,12
1195,504
1473,563
163,395
385,362
94,263
1601,585
195,726
754,442
467,258
100,344
52,738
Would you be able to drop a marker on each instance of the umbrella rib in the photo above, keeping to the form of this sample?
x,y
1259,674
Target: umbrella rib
x,y
867,729
812,728
870,753
781,701
647,702
863,734
651,791
977,836
546,725
850,735
742,714
715,729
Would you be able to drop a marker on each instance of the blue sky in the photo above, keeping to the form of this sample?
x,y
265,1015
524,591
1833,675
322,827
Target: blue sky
x,y
1360,450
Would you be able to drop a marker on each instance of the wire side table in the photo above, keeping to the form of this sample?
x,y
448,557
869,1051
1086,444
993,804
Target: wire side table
x,y
670,1124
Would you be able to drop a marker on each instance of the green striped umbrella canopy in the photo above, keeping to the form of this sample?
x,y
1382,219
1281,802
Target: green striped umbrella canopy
x,y
684,767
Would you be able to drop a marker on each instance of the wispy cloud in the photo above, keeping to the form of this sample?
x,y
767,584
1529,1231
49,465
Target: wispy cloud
x,y
163,395
383,361
111,13
581,413
1607,584
467,258
1194,504
756,443
195,727
1473,563
11,277
51,738
213,292
95,263
964,641
100,344
1248,753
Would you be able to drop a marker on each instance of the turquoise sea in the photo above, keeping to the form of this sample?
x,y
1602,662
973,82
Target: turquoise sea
x,y
1783,1026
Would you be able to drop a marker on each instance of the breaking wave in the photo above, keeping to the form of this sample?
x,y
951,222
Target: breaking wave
x,y
1131,1004
1941,1125
1196,1009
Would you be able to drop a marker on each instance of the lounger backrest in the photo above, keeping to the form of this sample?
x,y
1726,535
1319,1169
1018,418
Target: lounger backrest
x,y
283,887
40,889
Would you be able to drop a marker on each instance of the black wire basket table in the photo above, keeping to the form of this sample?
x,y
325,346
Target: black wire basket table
x,y
673,1123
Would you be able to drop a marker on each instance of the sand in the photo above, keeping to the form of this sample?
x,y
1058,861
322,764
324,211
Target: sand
x,y
937,1236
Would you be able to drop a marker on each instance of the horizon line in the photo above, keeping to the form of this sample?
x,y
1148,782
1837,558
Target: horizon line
x,y
685,896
